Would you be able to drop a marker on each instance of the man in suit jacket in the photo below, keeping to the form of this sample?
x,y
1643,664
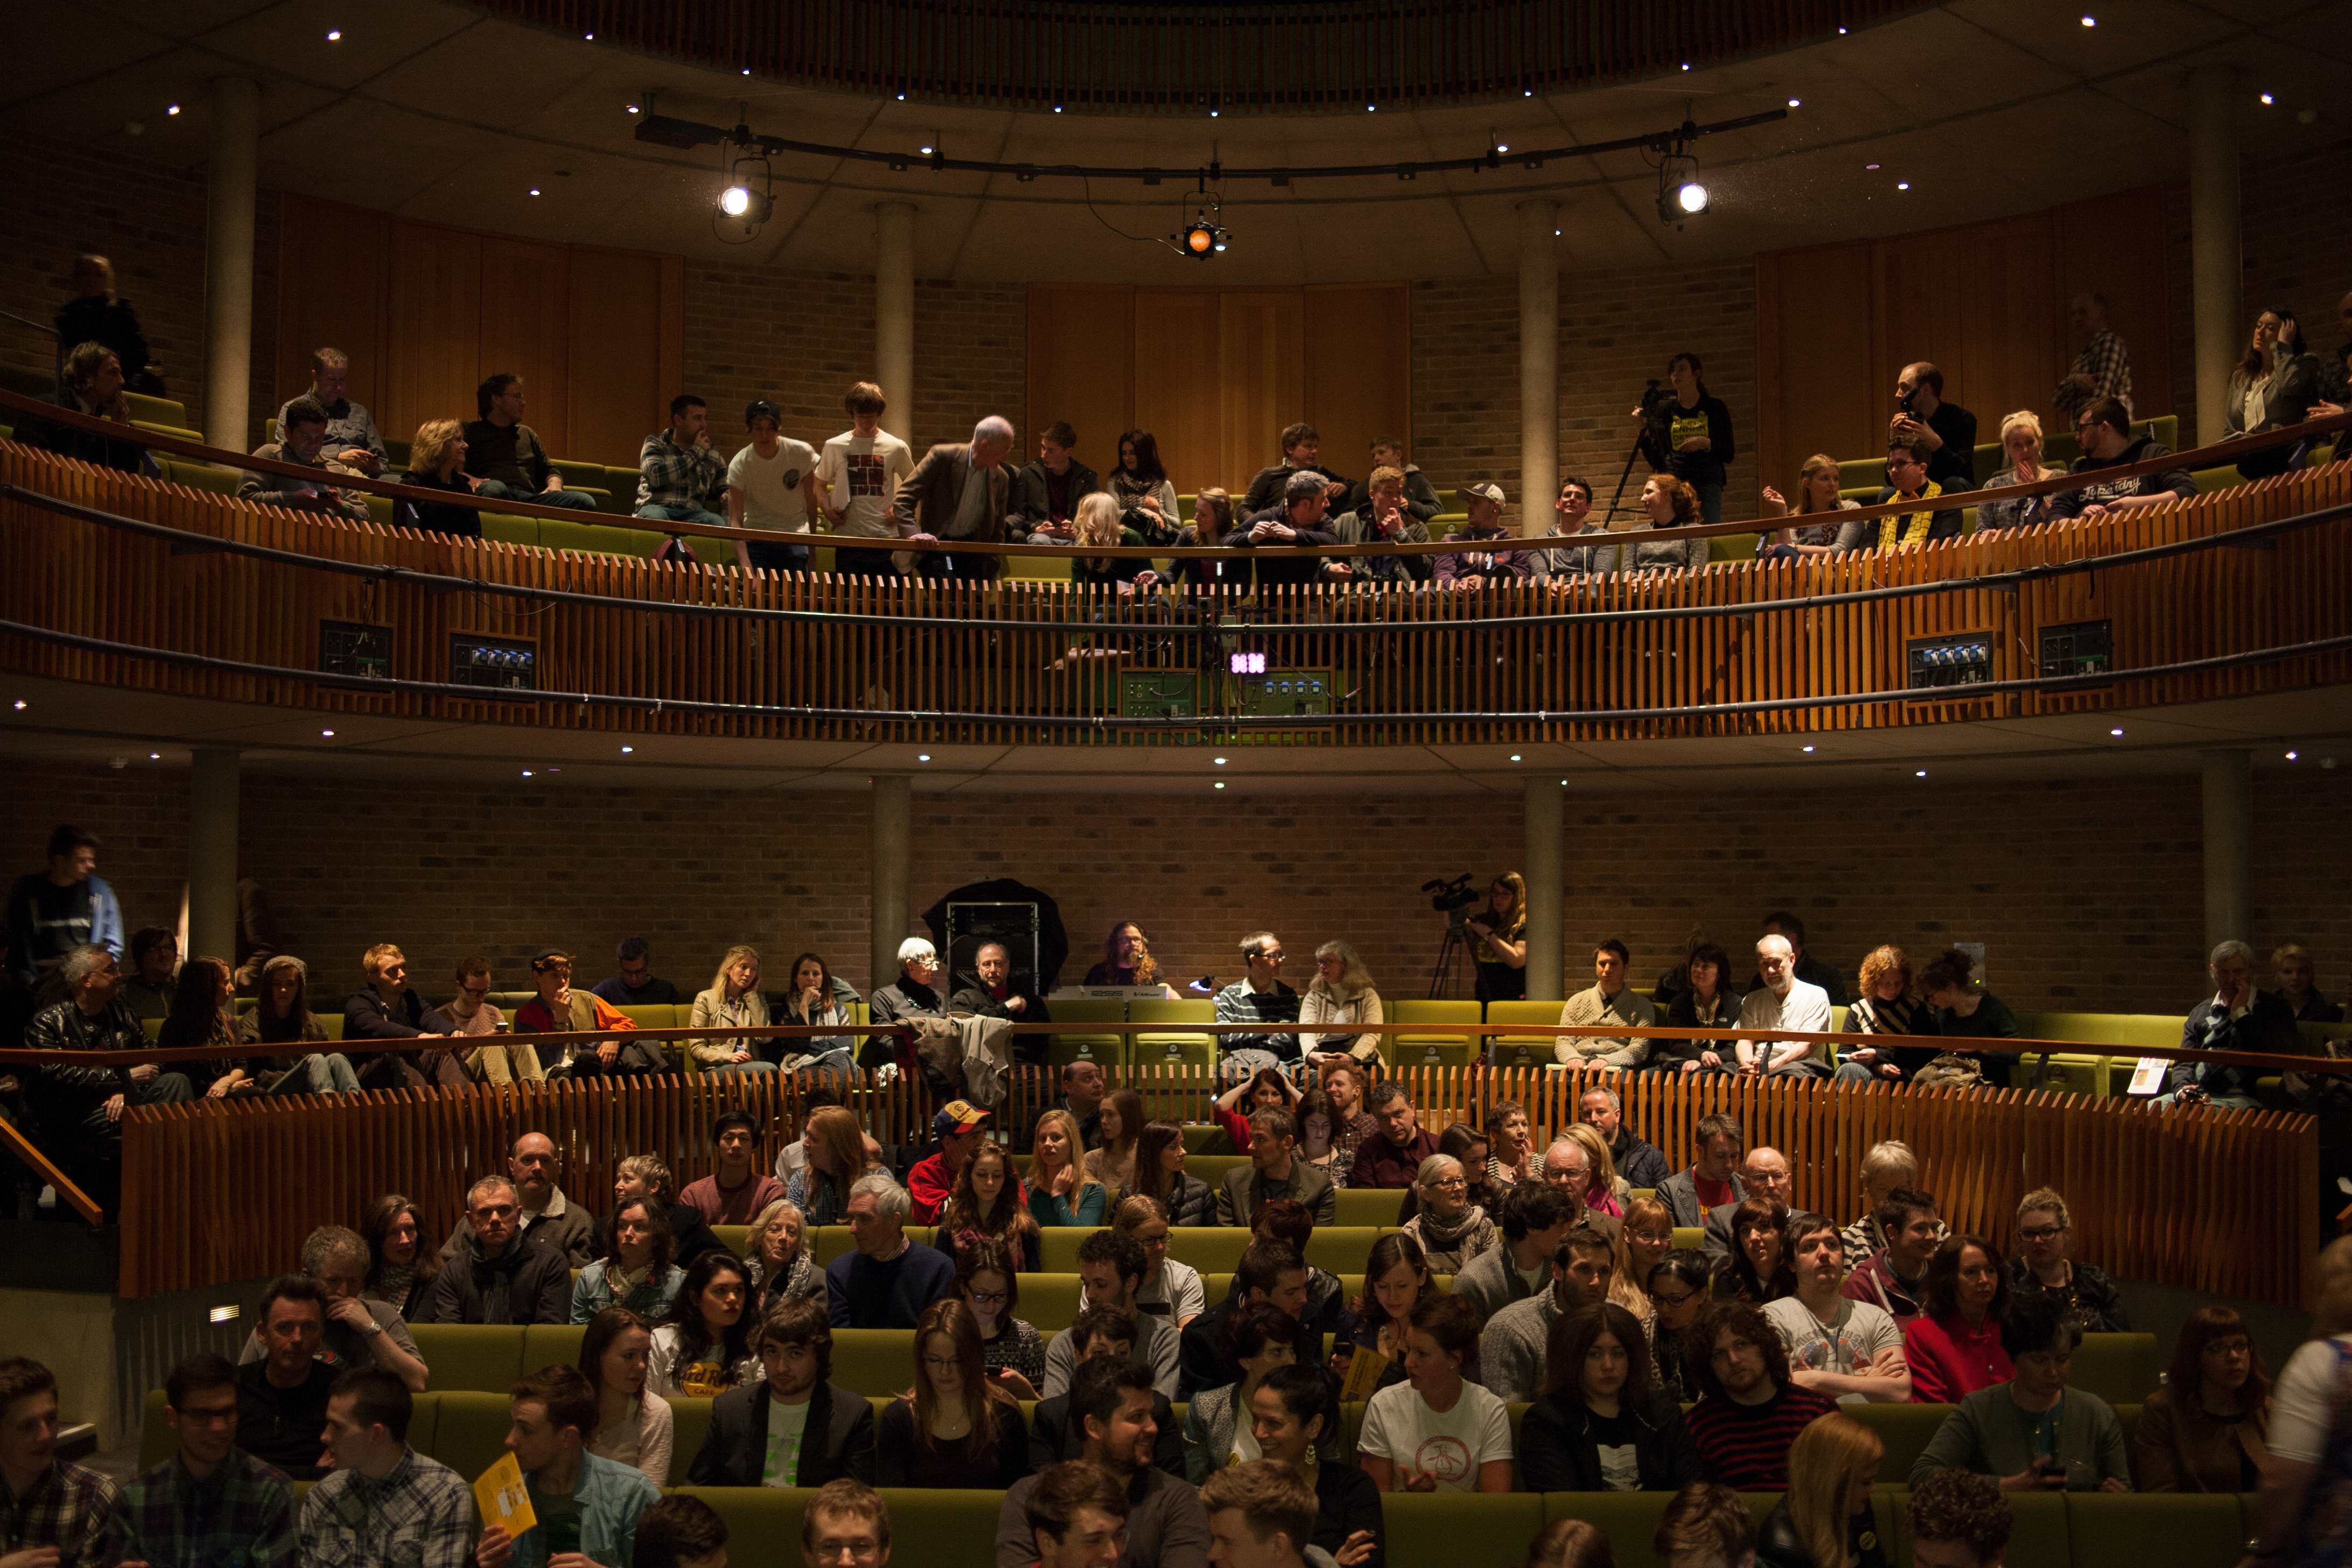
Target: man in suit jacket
x,y
960,492
1273,1172
837,1436
1711,1181
1764,1174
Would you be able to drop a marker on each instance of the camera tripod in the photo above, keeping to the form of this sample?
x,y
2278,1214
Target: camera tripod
x,y
1643,445
1448,969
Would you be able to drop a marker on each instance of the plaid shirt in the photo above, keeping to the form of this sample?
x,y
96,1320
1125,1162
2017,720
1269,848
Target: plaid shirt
x,y
420,1516
68,1507
2108,364
244,1517
672,475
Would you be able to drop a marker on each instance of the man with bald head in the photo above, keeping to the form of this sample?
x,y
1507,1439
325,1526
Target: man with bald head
x,y
960,490
1764,1174
546,1217
1567,1166
1783,1002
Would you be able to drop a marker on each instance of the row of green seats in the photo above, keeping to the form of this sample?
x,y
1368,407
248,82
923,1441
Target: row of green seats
x,y
466,1431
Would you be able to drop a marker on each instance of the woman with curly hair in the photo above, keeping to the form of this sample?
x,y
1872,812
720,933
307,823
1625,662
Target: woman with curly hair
x,y
986,1206
1886,1002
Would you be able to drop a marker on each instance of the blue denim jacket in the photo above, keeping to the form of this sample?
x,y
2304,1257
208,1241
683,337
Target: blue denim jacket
x,y
610,1497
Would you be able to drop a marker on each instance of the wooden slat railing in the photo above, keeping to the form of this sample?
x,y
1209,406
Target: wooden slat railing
x,y
1442,671
2225,1201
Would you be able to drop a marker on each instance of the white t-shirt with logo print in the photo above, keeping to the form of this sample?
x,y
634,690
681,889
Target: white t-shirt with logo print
x,y
861,475
1401,1427
770,487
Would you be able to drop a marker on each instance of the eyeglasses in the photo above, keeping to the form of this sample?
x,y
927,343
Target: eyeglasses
x,y
1676,1300
942,1364
2228,1347
2043,1232
1277,956
1450,1182
990,1298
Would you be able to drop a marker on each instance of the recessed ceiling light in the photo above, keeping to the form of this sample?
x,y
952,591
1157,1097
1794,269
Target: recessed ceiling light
x,y
1371,108
1921,773
633,109
1841,31
2290,756
174,109
526,772
1531,92
1219,783
326,734
626,749
902,98
154,756
1057,109
1808,748
588,34
534,190
2268,98
1221,762
1212,114
1502,146
1686,65
2090,21
335,36
922,756
2114,731
20,705
1902,184
1870,165
1793,103
1515,756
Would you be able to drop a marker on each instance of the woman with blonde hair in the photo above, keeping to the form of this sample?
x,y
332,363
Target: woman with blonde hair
x,y
1338,999
782,1266
733,1001
837,1158
2021,440
1060,1190
436,461
1100,523
2301,1515
1605,1190
1510,1145
1817,494
1824,1519
1112,1160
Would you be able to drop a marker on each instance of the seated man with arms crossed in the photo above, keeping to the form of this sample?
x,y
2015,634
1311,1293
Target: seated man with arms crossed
x,y
1849,1350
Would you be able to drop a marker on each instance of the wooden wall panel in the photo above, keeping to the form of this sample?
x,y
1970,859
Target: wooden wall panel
x,y
1359,373
619,391
1179,393
1261,343
1817,381
1987,302
433,326
331,265
1082,365
2114,246
526,330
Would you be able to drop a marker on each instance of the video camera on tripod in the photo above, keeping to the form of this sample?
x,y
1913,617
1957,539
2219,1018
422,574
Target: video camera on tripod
x,y
1451,899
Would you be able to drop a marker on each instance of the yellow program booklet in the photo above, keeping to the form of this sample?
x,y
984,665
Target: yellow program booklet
x,y
498,1493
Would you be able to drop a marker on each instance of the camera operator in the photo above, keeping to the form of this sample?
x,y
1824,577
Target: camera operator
x,y
1502,933
1689,434
1922,418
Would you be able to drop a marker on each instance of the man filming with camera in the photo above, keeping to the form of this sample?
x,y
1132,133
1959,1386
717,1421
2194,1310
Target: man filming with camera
x,y
1687,433
1949,432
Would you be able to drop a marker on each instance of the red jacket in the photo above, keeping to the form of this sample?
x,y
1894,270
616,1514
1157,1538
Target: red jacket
x,y
1380,1163
931,1183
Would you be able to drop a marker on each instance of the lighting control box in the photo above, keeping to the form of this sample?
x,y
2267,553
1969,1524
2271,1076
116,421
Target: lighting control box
x,y
349,648
500,662
1293,691
2079,647
1963,659
1159,694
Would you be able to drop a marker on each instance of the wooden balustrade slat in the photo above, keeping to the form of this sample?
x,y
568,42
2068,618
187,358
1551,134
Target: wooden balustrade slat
x,y
2222,1202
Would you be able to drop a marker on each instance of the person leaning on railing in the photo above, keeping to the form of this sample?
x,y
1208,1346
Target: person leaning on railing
x,y
1211,526
78,1110
2104,431
299,441
94,375
436,461
1382,518
352,440
2021,439
1571,520
1483,501
1667,502
1908,479
1817,494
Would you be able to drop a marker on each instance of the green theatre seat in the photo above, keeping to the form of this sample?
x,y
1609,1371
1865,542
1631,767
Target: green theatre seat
x,y
736,1238
1110,1050
689,1424
1691,1235
876,1362
1522,1050
2121,1369
1374,1206
201,476
1462,1530
596,538
2161,1527
950,1527
471,1429
1905,1430
1050,1302
551,1344
1442,1032
763,1524
470,1356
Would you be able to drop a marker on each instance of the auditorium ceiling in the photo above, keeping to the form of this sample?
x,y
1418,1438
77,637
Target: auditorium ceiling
x,y
440,111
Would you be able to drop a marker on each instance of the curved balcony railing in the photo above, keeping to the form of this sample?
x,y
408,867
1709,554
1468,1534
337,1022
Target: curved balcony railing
x,y
1188,58
2233,593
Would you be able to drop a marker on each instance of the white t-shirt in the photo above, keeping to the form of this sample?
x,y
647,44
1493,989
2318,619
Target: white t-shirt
x,y
2302,1401
861,475
1847,1345
1177,1289
1805,1007
786,1423
1401,1427
770,486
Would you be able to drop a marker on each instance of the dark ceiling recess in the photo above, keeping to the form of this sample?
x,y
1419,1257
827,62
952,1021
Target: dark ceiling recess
x,y
1169,58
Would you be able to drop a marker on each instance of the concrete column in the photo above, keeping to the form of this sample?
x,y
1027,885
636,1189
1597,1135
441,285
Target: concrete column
x,y
212,853
888,854
230,178
1547,874
2229,845
2213,248
894,316
1538,378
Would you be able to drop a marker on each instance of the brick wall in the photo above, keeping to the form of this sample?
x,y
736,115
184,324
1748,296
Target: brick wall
x,y
148,218
2088,895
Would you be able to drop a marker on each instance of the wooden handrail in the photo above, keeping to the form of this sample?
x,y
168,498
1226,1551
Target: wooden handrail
x,y
2226,1202
2218,453
13,1139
